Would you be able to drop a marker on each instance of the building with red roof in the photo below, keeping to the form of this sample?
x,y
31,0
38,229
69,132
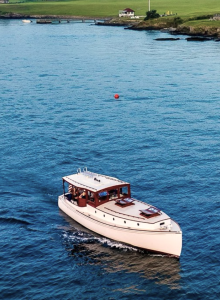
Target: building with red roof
x,y
127,12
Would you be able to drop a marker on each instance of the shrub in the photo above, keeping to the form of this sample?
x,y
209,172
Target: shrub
x,y
177,21
201,17
152,14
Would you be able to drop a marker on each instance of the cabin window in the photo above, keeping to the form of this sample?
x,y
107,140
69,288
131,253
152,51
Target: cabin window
x,y
113,194
66,187
124,191
91,196
103,196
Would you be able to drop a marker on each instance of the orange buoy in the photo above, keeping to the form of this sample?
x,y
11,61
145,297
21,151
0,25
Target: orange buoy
x,y
116,96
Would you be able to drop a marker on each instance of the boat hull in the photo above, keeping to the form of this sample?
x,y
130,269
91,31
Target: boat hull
x,y
164,242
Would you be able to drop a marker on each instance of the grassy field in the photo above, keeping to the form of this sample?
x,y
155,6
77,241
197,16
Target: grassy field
x,y
110,8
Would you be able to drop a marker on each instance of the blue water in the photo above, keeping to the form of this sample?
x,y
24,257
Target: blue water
x,y
58,113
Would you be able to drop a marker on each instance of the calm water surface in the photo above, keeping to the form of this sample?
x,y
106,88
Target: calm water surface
x,y
58,113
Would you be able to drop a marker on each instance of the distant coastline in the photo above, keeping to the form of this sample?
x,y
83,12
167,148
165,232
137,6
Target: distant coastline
x,y
162,24
24,16
210,29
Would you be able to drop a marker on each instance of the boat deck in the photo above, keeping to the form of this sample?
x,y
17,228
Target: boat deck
x,y
127,216
132,211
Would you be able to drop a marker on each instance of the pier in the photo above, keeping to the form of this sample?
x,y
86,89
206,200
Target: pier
x,y
68,20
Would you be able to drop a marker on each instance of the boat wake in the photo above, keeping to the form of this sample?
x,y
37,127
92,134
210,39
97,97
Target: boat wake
x,y
84,238
87,249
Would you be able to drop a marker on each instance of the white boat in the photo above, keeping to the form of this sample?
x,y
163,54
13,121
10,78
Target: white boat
x,y
104,205
26,21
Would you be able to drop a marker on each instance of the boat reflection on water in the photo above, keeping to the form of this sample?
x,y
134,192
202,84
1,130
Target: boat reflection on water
x,y
89,248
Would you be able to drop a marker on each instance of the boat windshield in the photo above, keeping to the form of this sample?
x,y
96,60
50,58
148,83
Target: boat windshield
x,y
113,194
124,191
103,196
91,196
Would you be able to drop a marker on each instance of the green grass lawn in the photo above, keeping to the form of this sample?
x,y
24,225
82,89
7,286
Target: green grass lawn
x,y
105,8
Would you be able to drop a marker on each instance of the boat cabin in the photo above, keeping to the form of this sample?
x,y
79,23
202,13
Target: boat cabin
x,y
94,189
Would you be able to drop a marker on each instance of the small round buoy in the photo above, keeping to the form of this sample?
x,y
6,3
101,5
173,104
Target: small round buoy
x,y
116,96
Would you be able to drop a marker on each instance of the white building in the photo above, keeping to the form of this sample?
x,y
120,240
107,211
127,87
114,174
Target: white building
x,y
127,12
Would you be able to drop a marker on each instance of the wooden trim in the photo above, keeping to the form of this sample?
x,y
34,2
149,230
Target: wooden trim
x,y
114,187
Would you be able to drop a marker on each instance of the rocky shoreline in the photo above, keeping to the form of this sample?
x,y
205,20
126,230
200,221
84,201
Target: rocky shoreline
x,y
189,31
198,33
204,32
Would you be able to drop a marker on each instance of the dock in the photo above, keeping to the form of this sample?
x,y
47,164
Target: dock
x,y
62,20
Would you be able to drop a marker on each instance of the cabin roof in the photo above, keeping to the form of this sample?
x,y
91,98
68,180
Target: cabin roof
x,y
93,181
128,10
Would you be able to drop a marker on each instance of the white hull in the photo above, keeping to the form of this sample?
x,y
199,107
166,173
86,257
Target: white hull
x,y
167,242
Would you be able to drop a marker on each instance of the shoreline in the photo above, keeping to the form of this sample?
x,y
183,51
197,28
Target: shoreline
x,y
64,17
208,33
205,32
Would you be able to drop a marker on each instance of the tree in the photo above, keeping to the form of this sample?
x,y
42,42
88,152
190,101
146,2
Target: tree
x,y
152,14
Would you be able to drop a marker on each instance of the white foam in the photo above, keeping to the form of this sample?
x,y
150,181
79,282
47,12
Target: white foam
x,y
82,237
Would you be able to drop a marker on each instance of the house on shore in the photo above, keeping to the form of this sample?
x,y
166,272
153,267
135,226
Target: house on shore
x,y
127,12
4,1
